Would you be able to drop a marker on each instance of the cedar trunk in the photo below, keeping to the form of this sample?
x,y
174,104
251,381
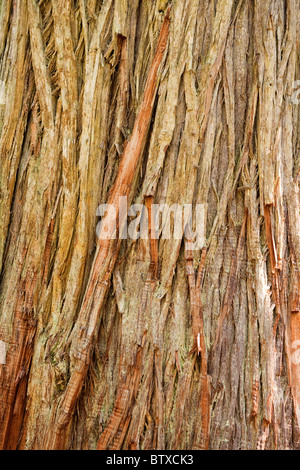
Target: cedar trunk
x,y
149,344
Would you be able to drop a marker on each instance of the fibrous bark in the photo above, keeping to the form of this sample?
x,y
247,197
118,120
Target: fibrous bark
x,y
149,344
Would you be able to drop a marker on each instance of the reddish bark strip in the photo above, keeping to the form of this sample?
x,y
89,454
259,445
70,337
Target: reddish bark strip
x,y
274,263
14,372
153,241
255,399
107,250
296,284
270,238
205,384
47,251
295,366
265,429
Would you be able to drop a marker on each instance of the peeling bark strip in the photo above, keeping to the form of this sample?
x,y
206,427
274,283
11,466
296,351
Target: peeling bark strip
x,y
152,238
296,284
270,239
107,252
14,368
295,366
118,424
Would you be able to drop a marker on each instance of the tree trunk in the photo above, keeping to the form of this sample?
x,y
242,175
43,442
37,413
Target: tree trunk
x,y
109,343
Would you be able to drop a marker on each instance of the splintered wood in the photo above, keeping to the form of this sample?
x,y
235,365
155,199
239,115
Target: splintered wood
x,y
107,252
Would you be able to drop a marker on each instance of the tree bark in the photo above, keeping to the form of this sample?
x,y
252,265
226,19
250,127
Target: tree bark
x,y
148,343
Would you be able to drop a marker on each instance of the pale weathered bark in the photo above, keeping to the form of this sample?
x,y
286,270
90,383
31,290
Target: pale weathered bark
x,y
149,344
